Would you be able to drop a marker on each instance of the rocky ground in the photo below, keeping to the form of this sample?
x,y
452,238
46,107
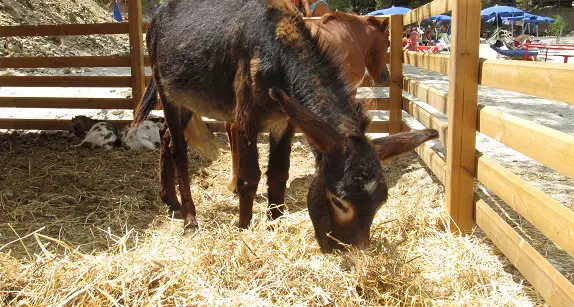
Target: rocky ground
x,y
35,12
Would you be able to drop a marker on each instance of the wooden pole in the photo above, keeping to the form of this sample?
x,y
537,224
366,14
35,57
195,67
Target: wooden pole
x,y
396,88
136,49
462,110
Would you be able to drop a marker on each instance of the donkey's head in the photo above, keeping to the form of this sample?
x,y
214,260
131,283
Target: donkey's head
x,y
348,187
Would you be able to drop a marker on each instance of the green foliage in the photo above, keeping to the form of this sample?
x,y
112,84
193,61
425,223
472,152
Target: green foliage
x,y
340,5
559,25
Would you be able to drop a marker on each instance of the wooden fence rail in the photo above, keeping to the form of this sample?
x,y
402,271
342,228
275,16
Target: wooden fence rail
x,y
547,146
552,148
545,80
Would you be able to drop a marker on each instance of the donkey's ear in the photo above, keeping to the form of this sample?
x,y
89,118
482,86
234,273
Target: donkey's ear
x,y
381,23
395,145
319,133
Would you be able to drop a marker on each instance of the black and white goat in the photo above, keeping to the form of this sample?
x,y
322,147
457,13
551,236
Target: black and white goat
x,y
99,133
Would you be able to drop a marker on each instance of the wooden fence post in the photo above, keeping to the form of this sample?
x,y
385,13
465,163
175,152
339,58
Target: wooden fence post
x,y
396,87
462,110
136,50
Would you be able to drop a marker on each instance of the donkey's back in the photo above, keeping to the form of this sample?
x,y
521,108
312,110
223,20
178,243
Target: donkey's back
x,y
197,45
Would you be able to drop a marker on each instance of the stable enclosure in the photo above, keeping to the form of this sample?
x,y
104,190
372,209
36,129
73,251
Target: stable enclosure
x,y
464,165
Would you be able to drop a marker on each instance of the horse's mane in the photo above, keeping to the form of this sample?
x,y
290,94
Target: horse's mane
x,y
346,17
341,17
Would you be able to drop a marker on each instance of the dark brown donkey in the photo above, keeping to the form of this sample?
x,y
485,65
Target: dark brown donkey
x,y
358,42
256,64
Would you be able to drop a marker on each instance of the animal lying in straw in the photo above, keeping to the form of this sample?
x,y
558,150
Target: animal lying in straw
x,y
256,64
144,136
99,133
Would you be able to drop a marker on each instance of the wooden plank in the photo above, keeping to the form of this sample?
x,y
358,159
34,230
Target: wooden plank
x,y
547,281
417,110
46,124
65,81
65,124
436,62
59,62
65,29
377,94
372,92
433,97
550,147
462,109
65,103
551,218
433,161
136,50
396,85
547,146
377,127
545,80
426,11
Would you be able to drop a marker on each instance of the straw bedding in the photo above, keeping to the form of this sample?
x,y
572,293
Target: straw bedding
x,y
83,227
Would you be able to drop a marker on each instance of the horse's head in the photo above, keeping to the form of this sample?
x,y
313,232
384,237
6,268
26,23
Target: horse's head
x,y
377,57
348,187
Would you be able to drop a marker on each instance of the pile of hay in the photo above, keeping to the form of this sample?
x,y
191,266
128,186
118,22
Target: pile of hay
x,y
100,238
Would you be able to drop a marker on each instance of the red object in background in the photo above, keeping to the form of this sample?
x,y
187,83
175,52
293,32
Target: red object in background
x,y
550,47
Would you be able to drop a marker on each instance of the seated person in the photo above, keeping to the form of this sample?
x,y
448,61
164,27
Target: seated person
x,y
521,39
427,38
312,8
406,36
413,41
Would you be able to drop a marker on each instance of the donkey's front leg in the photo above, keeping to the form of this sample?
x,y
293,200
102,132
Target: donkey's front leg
x,y
244,139
247,173
278,170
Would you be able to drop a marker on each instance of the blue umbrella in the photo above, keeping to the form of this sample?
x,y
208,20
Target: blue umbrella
x,y
117,15
390,11
527,18
539,19
502,10
440,18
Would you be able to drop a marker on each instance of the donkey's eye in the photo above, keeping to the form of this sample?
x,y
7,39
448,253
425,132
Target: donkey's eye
x,y
338,204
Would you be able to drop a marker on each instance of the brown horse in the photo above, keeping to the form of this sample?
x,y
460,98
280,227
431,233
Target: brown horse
x,y
361,42
256,64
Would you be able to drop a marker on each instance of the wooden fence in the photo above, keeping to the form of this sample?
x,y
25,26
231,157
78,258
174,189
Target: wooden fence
x,y
464,163
135,61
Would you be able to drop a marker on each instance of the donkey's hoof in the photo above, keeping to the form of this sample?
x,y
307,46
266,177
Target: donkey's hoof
x,y
243,224
187,231
190,226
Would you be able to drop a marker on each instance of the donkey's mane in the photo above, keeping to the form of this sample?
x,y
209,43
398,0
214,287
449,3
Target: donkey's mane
x,y
352,118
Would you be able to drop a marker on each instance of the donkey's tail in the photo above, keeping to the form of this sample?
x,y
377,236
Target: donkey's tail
x,y
147,102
